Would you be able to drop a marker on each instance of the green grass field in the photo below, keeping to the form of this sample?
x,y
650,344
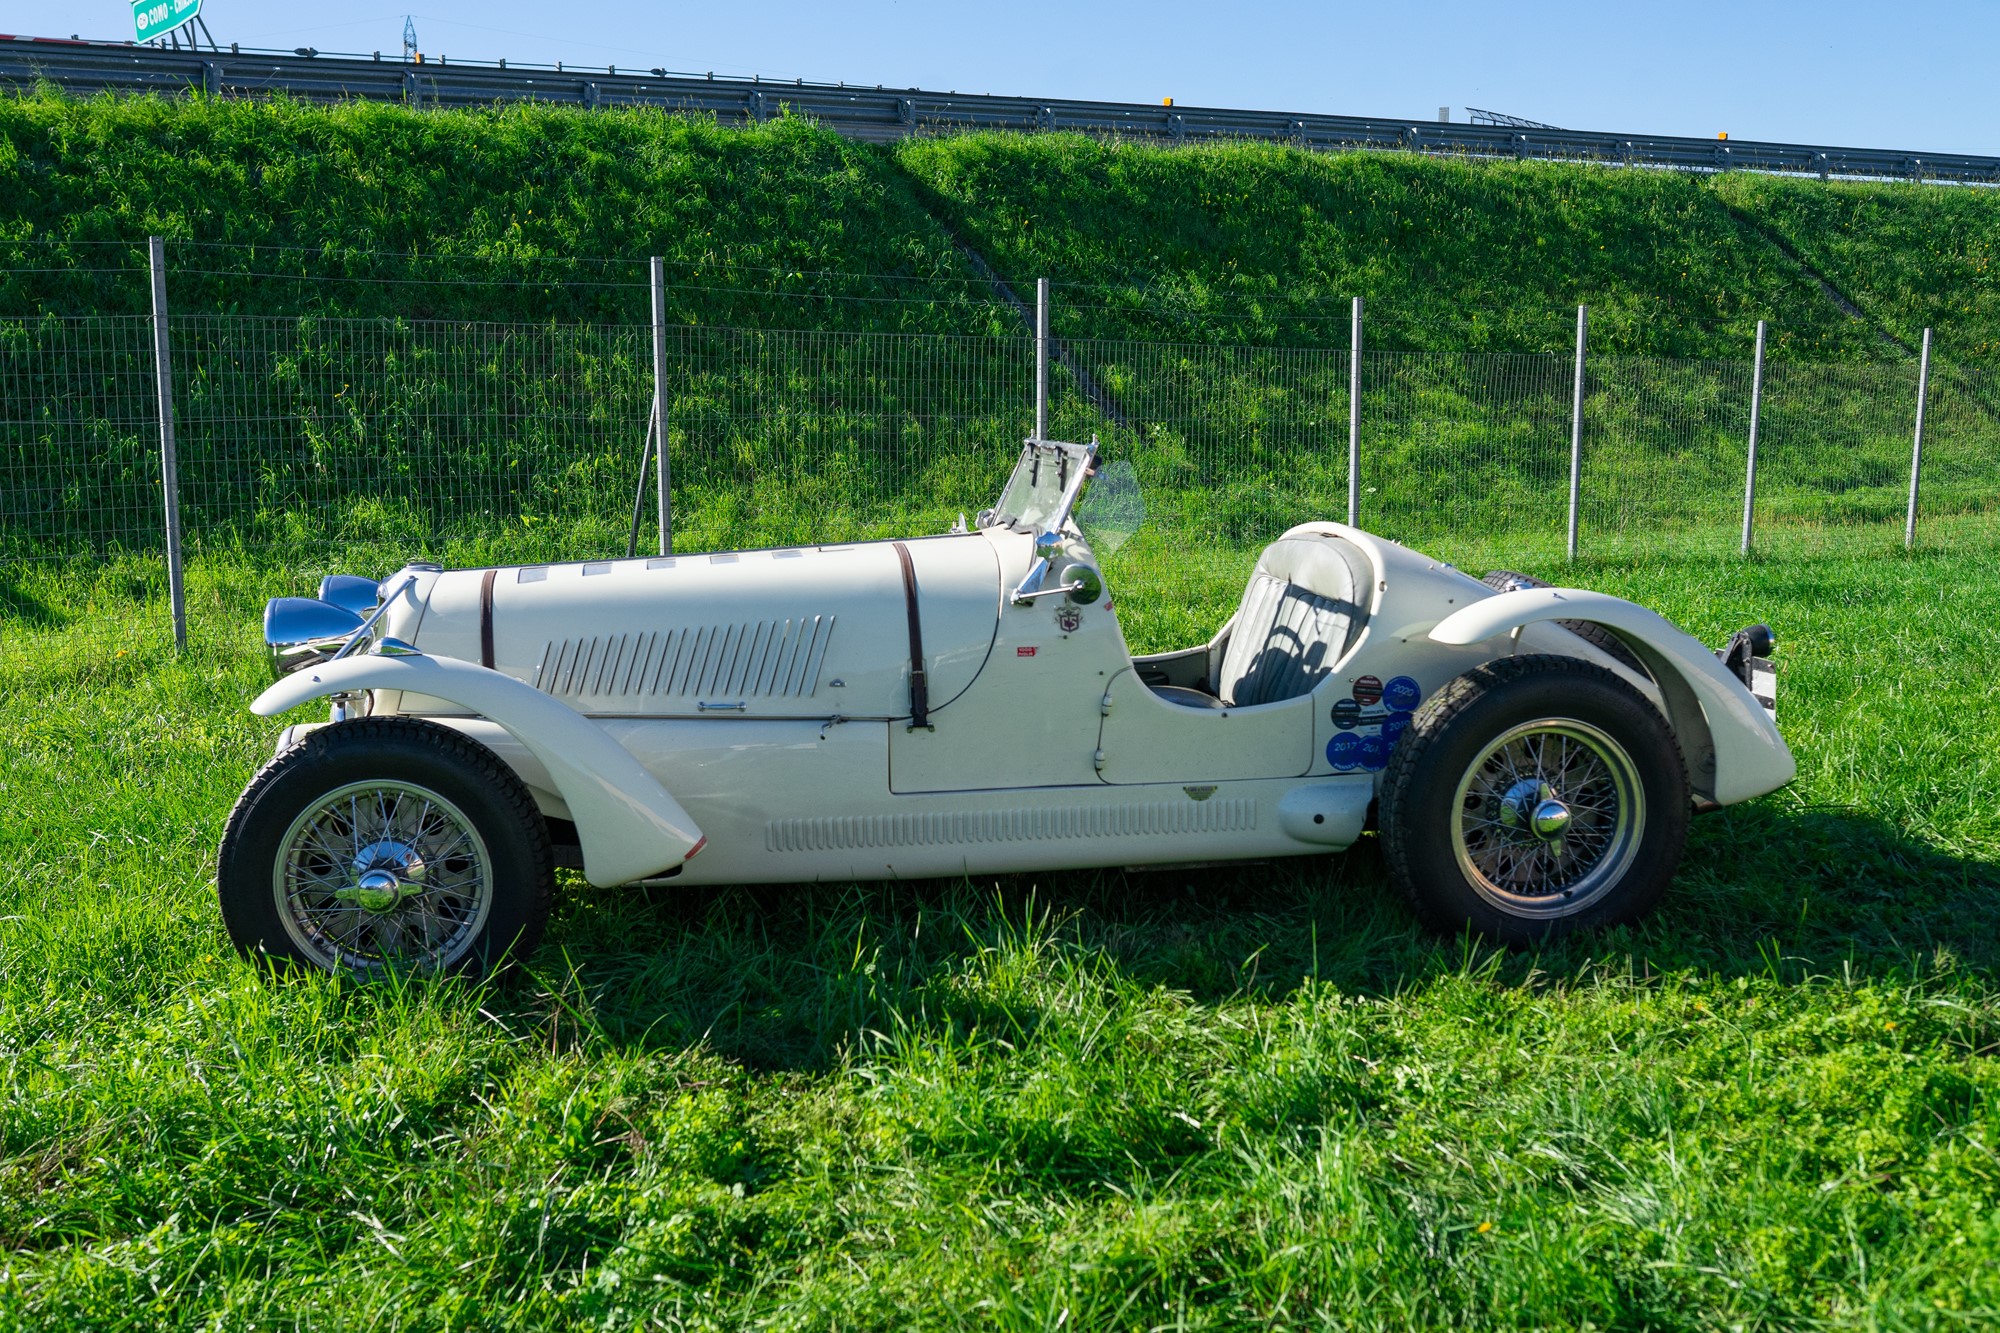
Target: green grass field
x,y
1224,1098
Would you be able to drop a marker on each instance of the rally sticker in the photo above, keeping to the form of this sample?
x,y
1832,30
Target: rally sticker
x,y
1393,726
1368,690
1346,714
1344,750
1024,652
1401,694
1373,752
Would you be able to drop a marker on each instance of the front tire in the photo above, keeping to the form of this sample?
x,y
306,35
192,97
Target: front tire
x,y
385,844
1532,797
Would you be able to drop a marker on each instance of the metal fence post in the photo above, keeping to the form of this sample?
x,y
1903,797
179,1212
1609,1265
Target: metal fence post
x,y
1917,447
1041,358
1750,468
1576,425
639,487
170,473
662,477
1354,419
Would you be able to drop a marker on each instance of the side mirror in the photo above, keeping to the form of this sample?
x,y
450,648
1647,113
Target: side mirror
x,y
1084,583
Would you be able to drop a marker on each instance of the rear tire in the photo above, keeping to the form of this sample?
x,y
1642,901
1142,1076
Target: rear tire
x,y
384,845
1533,797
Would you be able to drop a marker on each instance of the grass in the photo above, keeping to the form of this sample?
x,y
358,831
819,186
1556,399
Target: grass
x,y
1222,1098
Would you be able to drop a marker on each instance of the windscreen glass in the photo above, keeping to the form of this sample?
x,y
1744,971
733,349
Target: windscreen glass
x,y
1112,508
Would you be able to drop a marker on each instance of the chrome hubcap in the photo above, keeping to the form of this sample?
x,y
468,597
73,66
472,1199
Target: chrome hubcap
x,y
1548,818
383,873
1550,821
1531,806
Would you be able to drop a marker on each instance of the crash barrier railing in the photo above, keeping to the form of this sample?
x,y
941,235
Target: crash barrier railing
x,y
881,114
285,447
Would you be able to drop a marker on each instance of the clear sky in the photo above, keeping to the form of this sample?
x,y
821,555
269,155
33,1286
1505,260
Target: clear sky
x,y
1916,76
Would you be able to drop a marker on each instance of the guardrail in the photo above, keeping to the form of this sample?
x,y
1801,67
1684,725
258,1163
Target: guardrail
x,y
881,114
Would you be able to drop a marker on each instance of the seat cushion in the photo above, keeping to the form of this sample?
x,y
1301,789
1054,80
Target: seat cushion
x,y
1305,605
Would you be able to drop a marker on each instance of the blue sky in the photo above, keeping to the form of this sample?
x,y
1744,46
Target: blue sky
x,y
1909,76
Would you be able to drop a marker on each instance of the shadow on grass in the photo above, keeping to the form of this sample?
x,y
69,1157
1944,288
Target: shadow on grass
x,y
793,976
23,610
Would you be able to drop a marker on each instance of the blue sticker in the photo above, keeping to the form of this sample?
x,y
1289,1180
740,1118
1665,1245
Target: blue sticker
x,y
1393,727
1402,694
1346,714
1344,750
1374,752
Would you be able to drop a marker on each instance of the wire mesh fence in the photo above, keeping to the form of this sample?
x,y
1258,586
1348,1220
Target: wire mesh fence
x,y
312,444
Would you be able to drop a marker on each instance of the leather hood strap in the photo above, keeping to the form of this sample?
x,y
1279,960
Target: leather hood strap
x,y
920,689
486,618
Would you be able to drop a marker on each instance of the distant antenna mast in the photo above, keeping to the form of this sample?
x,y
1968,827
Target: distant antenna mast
x,y
1478,116
409,38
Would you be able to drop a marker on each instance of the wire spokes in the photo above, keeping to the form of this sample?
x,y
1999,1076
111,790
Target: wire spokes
x,y
383,874
1548,818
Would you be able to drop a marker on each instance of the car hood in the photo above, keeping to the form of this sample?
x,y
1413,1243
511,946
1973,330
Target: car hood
x,y
812,631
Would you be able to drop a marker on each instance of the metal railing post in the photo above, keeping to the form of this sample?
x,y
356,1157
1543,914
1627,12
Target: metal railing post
x,y
663,478
1917,446
1041,358
170,474
1750,467
1576,425
1354,419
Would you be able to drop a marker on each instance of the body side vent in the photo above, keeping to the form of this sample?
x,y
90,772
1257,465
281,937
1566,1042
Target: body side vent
x,y
755,659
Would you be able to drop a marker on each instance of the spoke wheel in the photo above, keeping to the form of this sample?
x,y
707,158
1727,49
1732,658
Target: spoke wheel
x,y
1549,818
385,845
383,874
1533,796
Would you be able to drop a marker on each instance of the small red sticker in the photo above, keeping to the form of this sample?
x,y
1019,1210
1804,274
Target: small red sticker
x,y
1368,690
1024,652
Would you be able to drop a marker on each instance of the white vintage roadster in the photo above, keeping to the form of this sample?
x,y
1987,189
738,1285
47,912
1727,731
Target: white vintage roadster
x,y
966,704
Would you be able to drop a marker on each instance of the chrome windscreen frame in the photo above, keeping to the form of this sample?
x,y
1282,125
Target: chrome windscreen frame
x,y
1081,459
1017,508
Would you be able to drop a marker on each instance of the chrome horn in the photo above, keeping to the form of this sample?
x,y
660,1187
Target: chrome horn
x,y
304,631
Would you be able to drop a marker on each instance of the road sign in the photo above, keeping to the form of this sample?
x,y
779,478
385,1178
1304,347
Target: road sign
x,y
157,18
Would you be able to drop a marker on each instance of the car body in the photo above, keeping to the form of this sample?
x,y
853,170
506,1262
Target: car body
x,y
966,704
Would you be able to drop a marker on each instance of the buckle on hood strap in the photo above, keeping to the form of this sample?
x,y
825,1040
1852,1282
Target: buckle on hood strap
x,y
920,689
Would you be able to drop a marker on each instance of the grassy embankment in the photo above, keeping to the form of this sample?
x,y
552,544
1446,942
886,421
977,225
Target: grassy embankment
x,y
304,435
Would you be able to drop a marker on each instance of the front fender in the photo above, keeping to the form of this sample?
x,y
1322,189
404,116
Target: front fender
x,y
1732,745
628,824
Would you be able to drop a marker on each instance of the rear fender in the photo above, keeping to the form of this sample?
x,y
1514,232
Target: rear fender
x,y
630,827
1733,749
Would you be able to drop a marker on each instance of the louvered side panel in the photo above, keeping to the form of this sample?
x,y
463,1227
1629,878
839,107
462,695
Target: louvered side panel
x,y
755,659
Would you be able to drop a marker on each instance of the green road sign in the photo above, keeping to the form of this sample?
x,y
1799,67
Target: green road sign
x,y
157,18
